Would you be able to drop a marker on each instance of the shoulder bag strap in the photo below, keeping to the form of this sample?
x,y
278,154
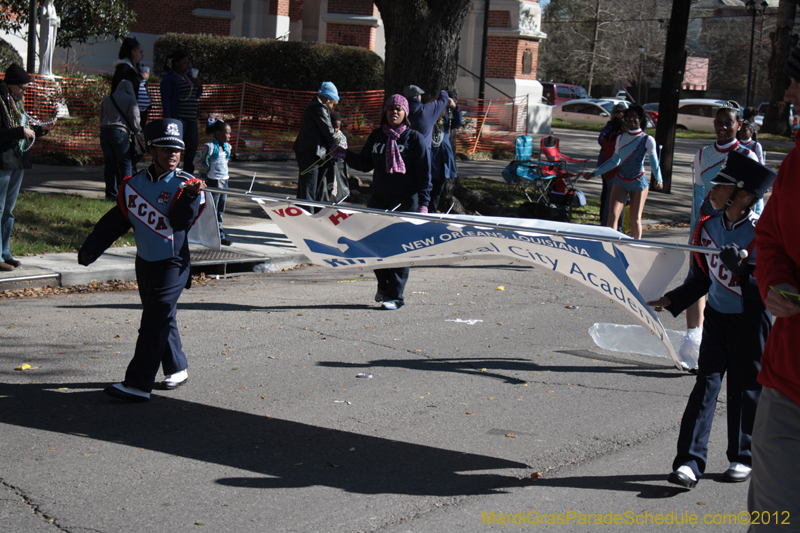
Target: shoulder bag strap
x,y
123,115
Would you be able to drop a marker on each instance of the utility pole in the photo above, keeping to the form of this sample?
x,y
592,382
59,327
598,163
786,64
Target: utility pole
x,y
671,81
31,66
484,47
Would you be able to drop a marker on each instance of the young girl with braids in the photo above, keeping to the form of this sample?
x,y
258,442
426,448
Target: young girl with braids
x,y
747,138
211,162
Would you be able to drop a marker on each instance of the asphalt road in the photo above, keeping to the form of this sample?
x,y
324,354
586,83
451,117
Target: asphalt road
x,y
473,389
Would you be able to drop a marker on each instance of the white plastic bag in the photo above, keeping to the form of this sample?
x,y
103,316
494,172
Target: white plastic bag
x,y
633,339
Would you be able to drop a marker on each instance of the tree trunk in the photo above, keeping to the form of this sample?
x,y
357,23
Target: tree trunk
x,y
776,118
422,41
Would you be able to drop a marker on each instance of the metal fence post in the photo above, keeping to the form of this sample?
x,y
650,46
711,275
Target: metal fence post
x,y
239,125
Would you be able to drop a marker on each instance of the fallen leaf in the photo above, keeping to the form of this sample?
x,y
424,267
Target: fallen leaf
x,y
491,398
551,391
535,476
511,435
501,288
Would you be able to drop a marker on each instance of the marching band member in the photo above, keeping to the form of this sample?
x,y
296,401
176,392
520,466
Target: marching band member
x,y
736,322
161,204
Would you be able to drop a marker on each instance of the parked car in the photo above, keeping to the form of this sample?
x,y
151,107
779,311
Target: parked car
x,y
588,111
794,120
652,112
626,104
698,113
584,111
558,93
621,101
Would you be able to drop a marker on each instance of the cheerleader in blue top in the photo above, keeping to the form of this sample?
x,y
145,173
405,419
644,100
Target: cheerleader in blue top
x,y
211,162
631,178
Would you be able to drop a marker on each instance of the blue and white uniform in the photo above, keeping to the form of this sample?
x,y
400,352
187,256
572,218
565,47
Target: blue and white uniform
x,y
755,146
628,159
161,214
735,328
706,165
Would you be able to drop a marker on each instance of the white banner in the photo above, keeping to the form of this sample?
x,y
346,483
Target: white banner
x,y
627,275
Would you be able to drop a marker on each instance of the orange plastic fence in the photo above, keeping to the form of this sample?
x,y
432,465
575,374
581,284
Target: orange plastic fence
x,y
263,120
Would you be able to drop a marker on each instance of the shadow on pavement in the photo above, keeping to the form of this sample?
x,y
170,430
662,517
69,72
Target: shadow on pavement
x,y
491,367
278,453
628,483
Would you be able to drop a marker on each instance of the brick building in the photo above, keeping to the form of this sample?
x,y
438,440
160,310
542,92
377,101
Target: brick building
x,y
512,52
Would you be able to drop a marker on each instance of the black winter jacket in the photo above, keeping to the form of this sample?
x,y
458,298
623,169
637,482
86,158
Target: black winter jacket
x,y
316,132
10,156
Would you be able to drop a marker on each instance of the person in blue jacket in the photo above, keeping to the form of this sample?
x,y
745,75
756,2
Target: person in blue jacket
x,y
401,179
423,117
736,321
161,204
443,161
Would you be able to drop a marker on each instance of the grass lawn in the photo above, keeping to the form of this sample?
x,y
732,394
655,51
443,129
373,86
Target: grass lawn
x,y
54,223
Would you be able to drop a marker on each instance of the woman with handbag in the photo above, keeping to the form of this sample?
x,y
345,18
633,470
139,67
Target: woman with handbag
x,y
119,119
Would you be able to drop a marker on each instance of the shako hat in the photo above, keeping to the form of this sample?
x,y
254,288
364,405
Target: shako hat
x,y
746,174
165,132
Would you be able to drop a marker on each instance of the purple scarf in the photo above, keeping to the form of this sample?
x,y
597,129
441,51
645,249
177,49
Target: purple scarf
x,y
394,161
